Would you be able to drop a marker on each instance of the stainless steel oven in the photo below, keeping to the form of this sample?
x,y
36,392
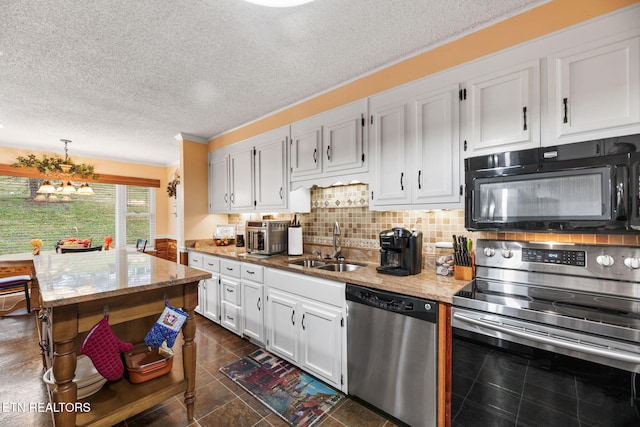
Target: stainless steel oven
x,y
582,187
547,334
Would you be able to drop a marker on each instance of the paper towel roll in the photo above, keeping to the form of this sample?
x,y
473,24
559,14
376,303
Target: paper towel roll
x,y
295,240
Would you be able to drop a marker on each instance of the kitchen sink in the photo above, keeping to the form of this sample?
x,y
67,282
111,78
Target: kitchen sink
x,y
341,266
327,265
313,263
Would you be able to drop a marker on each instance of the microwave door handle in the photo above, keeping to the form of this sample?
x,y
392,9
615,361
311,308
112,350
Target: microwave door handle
x,y
621,202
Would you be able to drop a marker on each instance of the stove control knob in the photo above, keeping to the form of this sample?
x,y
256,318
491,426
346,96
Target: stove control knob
x,y
632,262
489,252
507,253
605,260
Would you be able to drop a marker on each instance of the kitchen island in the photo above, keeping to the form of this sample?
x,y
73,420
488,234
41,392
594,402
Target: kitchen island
x,y
77,290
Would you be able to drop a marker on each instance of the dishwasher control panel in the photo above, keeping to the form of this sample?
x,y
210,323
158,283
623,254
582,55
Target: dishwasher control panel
x,y
397,303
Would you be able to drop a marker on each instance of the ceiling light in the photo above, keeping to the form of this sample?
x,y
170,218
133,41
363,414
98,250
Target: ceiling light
x,y
279,3
58,168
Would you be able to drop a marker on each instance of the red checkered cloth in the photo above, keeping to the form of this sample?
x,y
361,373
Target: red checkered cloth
x,y
104,348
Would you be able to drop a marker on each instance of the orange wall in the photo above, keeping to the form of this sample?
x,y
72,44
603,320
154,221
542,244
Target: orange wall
x,y
197,222
9,155
550,17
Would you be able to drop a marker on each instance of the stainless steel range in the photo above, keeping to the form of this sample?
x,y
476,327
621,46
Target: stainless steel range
x,y
550,307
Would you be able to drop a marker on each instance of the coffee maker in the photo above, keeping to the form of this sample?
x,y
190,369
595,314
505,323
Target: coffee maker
x,y
400,252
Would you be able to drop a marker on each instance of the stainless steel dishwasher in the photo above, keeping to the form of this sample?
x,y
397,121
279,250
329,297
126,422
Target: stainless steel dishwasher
x,y
392,353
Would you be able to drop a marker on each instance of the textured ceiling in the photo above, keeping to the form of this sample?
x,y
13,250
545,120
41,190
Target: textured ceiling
x,y
121,78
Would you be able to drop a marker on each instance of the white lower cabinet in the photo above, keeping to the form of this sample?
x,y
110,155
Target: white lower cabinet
x,y
230,290
252,296
209,298
305,324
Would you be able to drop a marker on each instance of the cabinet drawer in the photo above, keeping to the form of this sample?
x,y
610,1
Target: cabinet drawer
x,y
230,292
211,264
252,272
195,260
230,268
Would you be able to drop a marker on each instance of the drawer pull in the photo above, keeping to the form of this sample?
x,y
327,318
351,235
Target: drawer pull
x,y
229,268
251,272
229,318
293,313
303,327
229,290
258,304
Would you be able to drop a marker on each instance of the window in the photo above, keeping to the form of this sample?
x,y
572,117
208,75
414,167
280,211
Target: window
x,y
26,215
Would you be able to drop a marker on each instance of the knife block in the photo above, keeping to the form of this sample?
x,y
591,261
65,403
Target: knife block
x,y
463,273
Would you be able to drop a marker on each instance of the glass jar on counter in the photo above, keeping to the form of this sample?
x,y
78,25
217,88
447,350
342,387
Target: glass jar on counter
x,y
444,258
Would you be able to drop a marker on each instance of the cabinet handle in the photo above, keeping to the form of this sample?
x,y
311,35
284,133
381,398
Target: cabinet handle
x,y
315,155
204,285
258,304
303,327
229,290
281,193
229,268
250,272
229,318
419,180
524,115
293,313
226,197
232,198
565,101
401,181
329,152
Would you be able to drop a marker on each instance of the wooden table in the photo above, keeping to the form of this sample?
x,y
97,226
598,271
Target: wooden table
x,y
75,292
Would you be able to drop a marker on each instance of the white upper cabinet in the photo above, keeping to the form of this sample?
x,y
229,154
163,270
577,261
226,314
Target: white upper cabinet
x,y
503,110
241,179
271,183
253,175
390,136
416,147
437,148
306,148
328,145
594,91
343,138
218,181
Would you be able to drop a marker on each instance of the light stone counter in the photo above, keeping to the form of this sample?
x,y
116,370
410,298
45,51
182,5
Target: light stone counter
x,y
427,284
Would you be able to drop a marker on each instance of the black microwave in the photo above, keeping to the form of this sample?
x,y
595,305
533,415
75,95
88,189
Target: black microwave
x,y
585,187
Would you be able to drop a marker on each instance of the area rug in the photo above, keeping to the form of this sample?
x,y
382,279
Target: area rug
x,y
297,397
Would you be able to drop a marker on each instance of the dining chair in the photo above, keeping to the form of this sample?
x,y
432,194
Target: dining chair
x,y
76,250
141,245
17,284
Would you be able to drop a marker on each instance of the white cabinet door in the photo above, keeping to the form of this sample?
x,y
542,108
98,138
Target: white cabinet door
x,y
389,133
241,180
306,149
231,317
321,341
271,174
211,297
218,182
503,111
437,156
252,310
344,138
594,88
281,325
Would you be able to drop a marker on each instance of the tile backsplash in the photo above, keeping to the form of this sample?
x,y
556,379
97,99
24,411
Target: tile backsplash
x,y
360,227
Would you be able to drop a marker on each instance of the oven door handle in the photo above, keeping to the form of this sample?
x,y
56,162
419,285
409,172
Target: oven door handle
x,y
620,355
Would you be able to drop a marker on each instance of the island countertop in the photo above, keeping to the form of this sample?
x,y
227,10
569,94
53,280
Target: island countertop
x,y
76,278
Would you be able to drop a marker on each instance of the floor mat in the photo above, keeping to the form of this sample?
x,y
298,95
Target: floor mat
x,y
297,397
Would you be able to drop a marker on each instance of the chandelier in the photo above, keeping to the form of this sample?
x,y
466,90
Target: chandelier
x,y
57,168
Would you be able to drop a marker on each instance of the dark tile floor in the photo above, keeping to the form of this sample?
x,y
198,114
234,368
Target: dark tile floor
x,y
219,401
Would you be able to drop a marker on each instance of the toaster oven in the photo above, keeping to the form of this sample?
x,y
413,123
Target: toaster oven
x,y
267,237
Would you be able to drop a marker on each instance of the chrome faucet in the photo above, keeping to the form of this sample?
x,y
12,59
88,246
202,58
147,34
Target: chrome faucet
x,y
337,252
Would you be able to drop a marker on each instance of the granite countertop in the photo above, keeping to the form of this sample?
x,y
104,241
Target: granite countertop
x,y
427,284
75,278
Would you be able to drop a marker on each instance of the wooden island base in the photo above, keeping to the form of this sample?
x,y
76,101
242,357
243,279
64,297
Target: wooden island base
x,y
132,288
